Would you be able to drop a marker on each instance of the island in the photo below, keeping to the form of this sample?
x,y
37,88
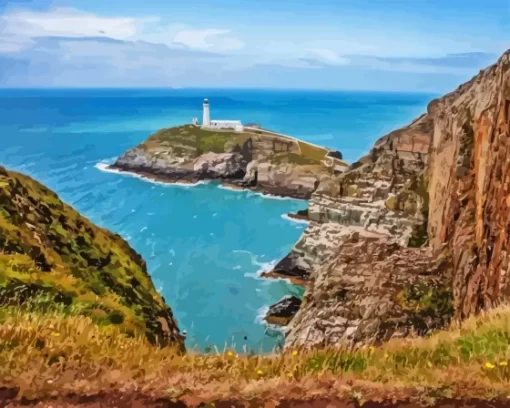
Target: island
x,y
238,156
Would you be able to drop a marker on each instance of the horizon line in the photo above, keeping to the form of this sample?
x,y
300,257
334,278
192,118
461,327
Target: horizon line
x,y
226,88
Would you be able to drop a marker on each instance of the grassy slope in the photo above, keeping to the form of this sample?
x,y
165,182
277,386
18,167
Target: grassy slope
x,y
45,354
50,255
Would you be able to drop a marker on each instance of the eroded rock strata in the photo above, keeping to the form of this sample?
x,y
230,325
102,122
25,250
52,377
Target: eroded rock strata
x,y
417,231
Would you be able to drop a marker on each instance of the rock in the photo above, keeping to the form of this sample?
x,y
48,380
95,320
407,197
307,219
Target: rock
x,y
281,313
371,290
284,178
219,165
250,178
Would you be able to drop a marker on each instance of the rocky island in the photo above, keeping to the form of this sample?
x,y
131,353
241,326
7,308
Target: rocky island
x,y
253,158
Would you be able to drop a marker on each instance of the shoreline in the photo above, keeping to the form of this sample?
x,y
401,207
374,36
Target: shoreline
x,y
192,181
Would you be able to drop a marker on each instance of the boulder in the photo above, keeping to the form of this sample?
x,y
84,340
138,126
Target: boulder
x,y
220,165
281,313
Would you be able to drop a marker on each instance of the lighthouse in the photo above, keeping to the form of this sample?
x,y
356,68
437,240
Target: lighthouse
x,y
206,122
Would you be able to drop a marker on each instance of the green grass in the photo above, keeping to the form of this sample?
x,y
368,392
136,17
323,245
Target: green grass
x,y
194,138
51,254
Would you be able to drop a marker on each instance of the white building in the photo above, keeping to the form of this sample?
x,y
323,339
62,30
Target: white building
x,y
207,123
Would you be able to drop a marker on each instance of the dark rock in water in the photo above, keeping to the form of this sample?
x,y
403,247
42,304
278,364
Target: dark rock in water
x,y
299,215
288,268
281,313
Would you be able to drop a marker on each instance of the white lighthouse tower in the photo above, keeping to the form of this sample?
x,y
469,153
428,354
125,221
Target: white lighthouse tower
x,y
206,122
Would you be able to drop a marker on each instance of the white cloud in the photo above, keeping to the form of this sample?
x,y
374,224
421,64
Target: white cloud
x,y
68,22
19,26
209,39
328,56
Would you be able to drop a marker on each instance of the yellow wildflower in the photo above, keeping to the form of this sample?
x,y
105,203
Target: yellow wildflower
x,y
490,366
386,355
230,354
56,334
260,372
503,363
295,353
290,375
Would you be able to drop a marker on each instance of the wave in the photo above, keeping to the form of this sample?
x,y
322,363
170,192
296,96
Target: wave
x,y
271,329
296,220
263,266
104,167
250,193
261,313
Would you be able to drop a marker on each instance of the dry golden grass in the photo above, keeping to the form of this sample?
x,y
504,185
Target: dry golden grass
x,y
311,151
50,354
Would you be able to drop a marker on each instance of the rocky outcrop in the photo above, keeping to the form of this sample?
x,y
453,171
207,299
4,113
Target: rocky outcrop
x,y
370,291
219,165
281,313
254,159
384,194
51,256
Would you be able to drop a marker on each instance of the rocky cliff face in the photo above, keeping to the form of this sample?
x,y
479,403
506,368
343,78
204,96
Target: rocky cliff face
x,y
254,159
417,231
51,256
368,279
470,186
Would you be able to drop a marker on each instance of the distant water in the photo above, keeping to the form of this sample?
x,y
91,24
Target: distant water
x,y
204,245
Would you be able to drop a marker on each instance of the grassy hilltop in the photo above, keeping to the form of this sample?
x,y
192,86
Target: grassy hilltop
x,y
194,141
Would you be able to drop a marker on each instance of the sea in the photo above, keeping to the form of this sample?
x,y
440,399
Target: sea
x,y
205,245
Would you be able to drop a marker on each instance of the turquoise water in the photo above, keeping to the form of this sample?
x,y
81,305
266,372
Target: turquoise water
x,y
204,245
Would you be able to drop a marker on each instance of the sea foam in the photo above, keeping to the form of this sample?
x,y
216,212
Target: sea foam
x,y
105,167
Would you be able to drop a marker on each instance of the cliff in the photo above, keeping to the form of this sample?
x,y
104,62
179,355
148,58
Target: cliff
x,y
469,186
52,257
255,159
415,233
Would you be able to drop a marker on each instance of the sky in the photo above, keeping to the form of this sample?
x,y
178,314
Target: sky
x,y
385,45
